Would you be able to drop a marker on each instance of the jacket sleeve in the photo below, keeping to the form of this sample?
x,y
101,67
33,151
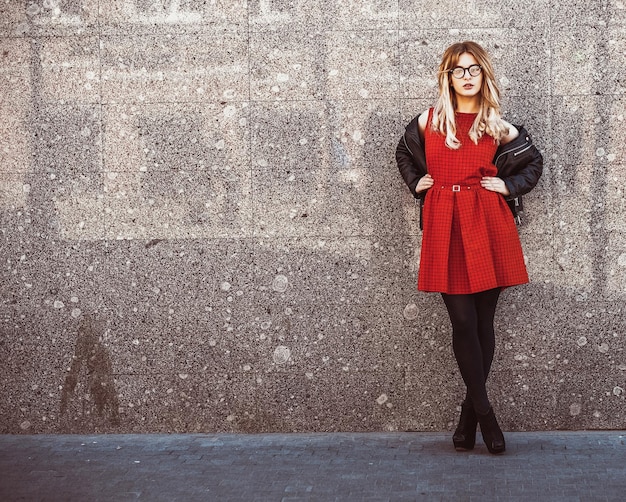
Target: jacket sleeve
x,y
410,159
521,171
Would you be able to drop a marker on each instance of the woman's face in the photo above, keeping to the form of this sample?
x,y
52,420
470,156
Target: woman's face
x,y
467,86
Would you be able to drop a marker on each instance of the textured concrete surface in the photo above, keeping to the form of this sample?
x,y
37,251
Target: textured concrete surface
x,y
563,466
202,227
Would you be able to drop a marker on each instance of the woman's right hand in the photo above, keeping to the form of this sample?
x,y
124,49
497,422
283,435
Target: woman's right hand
x,y
424,183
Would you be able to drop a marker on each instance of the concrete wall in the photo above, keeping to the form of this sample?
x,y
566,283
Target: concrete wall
x,y
203,227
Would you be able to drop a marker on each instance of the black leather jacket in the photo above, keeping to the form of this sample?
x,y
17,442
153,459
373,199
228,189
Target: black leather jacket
x,y
519,164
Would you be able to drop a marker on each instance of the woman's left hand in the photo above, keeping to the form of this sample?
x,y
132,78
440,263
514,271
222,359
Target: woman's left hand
x,y
495,185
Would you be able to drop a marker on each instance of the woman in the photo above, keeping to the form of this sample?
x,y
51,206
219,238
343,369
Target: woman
x,y
469,168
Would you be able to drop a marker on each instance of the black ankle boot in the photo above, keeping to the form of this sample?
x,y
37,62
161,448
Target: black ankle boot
x,y
464,436
492,435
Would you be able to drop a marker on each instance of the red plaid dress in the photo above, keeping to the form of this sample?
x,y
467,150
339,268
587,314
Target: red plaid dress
x,y
470,242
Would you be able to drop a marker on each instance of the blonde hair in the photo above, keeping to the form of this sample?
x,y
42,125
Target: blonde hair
x,y
489,118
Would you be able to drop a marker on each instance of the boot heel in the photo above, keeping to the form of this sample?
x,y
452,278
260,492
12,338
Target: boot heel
x,y
491,432
464,437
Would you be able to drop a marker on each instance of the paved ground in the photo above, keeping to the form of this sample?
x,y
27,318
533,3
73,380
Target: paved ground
x,y
567,466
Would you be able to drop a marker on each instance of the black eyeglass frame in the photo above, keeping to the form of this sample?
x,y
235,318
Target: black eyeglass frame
x,y
468,69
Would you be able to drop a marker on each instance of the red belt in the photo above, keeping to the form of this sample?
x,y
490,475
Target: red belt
x,y
458,188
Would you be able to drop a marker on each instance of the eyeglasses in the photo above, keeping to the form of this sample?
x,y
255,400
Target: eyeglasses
x,y
459,72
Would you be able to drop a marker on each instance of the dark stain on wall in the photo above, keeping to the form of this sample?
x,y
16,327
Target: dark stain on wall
x,y
94,358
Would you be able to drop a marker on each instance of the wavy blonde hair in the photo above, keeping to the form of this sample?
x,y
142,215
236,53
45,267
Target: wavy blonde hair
x,y
489,118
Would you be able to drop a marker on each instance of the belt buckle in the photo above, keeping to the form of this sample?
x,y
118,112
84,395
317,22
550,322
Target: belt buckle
x,y
456,188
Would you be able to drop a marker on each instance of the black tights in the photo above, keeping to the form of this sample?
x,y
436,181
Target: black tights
x,y
473,341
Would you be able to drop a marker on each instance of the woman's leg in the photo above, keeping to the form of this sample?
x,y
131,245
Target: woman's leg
x,y
486,303
473,341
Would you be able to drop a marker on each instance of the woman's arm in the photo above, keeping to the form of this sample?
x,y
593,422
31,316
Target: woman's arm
x,y
519,164
411,159
529,168
406,165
